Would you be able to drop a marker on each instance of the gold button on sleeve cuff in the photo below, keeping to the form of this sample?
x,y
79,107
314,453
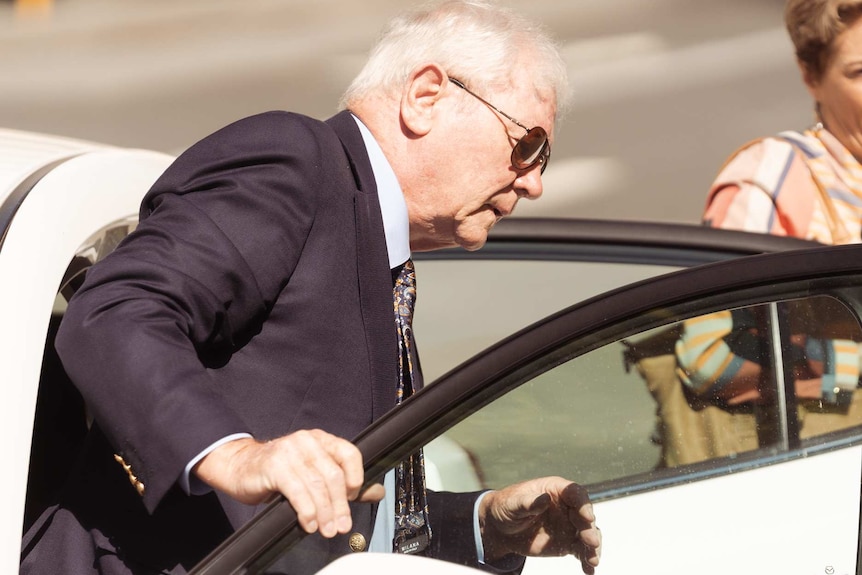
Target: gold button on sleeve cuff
x,y
138,485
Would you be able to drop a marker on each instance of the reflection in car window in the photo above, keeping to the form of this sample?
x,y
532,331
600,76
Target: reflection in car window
x,y
695,419
689,392
725,361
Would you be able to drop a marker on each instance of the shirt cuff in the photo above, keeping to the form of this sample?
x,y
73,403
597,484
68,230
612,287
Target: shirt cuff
x,y
189,482
477,533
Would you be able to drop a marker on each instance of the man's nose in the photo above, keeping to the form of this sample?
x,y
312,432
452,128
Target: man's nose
x,y
529,183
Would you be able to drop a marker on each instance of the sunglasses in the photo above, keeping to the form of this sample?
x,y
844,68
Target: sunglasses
x,y
533,147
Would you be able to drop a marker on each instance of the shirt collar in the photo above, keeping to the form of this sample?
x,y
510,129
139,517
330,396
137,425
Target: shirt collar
x,y
393,208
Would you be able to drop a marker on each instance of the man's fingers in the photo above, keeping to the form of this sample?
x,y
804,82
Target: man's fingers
x,y
372,494
589,548
332,474
537,504
590,556
317,472
295,492
591,536
584,518
340,468
521,502
349,461
576,496
321,479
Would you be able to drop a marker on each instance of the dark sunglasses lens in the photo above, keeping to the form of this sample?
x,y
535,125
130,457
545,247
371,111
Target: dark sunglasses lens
x,y
530,148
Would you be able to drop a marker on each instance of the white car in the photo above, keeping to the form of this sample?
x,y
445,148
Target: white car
x,y
563,394
63,204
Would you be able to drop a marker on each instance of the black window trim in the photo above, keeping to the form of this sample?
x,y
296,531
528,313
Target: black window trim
x,y
617,241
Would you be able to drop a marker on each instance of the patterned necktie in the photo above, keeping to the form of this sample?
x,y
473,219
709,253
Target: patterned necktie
x,y
412,531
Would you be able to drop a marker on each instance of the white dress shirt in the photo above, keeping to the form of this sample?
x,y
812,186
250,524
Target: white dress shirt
x,y
396,226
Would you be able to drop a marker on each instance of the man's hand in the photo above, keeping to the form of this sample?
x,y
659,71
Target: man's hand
x,y
549,516
316,471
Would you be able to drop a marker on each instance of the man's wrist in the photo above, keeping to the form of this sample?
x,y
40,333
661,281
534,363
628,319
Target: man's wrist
x,y
494,560
190,482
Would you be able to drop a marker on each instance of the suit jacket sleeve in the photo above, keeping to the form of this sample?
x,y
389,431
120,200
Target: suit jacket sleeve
x,y
220,233
454,536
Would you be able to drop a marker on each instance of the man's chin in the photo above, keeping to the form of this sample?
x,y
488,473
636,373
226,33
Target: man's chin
x,y
473,243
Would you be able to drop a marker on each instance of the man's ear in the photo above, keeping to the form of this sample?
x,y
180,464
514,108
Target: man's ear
x,y
419,99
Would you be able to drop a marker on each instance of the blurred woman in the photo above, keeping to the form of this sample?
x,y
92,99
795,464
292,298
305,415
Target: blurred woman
x,y
804,184
807,184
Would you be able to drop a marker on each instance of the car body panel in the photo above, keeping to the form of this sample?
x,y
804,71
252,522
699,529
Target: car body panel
x,y
88,188
23,154
376,563
667,531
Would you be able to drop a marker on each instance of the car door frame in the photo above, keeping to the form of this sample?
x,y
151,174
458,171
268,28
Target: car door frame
x,y
274,529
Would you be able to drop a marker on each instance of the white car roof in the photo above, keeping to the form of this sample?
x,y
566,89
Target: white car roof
x,y
24,153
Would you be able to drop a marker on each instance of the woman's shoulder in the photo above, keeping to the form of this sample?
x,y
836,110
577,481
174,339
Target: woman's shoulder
x,y
782,145
802,142
765,160
769,177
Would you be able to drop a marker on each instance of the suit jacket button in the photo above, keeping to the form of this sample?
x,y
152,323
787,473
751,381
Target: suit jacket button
x,y
139,486
357,542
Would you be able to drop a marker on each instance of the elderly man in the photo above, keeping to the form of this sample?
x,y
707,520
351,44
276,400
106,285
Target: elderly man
x,y
231,346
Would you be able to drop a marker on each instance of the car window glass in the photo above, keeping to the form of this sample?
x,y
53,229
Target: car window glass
x,y
666,398
825,341
466,305
594,418
586,419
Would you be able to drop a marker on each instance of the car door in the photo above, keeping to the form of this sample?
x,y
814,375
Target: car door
x,y
557,398
88,196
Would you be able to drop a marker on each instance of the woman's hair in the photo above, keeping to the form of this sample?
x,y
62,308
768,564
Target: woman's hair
x,y
813,26
475,41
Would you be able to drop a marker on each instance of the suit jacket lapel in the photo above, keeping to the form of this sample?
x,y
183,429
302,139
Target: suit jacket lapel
x,y
375,278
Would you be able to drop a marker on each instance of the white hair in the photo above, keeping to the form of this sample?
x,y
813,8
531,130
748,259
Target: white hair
x,y
475,41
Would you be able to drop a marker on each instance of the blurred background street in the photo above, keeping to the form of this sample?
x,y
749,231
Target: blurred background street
x,y
664,89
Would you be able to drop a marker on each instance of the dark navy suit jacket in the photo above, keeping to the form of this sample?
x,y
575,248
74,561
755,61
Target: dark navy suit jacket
x,y
255,296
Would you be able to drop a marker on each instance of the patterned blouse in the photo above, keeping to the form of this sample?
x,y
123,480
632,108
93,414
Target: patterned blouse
x,y
803,185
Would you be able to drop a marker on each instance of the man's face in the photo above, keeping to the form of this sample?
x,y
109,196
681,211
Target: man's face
x,y
475,184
